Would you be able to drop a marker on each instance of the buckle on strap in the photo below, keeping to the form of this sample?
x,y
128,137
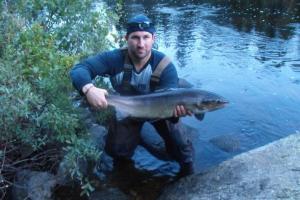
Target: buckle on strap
x,y
128,67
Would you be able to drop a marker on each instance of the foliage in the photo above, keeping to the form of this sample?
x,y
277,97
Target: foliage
x,y
79,150
81,26
40,40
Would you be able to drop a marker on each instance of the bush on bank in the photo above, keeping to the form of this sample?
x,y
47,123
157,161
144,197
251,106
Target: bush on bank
x,y
40,41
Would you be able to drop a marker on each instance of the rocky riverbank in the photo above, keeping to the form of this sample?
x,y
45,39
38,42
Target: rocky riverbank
x,y
269,172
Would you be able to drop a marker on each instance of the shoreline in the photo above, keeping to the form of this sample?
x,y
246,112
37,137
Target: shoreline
x,y
268,172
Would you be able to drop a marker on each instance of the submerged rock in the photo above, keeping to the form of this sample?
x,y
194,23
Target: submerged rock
x,y
152,141
227,143
268,172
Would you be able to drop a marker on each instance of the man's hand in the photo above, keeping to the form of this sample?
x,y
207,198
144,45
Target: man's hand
x,y
180,111
95,96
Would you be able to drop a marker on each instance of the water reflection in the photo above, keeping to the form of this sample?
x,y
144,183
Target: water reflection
x,y
269,17
181,21
185,36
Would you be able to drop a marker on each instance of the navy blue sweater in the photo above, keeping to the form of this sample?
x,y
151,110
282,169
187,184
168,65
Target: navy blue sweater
x,y
111,64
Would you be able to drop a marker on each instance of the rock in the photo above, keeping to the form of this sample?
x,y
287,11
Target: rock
x,y
109,194
227,143
206,153
64,171
152,141
87,116
103,167
86,112
33,185
97,136
268,172
145,161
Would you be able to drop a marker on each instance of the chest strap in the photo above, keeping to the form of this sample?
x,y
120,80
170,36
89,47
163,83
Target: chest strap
x,y
128,67
155,77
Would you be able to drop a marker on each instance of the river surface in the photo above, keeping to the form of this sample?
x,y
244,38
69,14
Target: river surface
x,y
246,51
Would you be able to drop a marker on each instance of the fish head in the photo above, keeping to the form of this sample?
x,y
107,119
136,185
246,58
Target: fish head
x,y
210,102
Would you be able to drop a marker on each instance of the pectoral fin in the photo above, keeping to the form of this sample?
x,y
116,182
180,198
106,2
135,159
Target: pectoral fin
x,y
120,115
199,116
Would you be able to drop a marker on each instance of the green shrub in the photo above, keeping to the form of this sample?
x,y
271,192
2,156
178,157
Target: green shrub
x,y
81,26
40,41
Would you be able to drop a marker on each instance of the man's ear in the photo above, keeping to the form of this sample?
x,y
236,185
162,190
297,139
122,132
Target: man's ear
x,y
126,37
154,36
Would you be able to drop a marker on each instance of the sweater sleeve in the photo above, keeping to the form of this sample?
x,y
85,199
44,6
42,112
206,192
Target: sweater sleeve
x,y
169,77
85,71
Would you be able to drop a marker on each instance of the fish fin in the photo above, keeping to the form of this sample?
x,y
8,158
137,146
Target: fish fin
x,y
120,115
183,83
200,116
165,90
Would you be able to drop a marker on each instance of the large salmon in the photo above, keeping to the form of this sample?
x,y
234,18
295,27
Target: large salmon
x,y
161,105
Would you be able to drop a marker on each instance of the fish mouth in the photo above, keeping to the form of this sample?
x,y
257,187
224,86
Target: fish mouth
x,y
219,101
224,102
216,107
215,104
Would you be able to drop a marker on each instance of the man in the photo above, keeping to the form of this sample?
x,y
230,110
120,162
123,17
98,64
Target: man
x,y
137,69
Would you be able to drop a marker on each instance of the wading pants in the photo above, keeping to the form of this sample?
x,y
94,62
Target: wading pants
x,y
124,136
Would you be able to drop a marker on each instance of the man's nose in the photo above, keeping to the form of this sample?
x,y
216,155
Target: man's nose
x,y
141,42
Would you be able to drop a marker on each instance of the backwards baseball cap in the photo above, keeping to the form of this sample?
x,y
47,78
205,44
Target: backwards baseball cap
x,y
140,23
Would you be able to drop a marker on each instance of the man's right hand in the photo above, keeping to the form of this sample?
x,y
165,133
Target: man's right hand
x,y
96,96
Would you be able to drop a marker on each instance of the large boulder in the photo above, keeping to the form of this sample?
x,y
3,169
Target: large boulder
x,y
152,141
33,185
268,172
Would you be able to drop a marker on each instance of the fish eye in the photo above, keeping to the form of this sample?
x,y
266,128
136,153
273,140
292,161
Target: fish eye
x,y
207,101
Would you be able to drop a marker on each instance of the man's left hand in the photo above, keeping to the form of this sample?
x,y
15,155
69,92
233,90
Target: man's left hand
x,y
181,111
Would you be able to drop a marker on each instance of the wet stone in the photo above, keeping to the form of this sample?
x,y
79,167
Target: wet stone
x,y
227,143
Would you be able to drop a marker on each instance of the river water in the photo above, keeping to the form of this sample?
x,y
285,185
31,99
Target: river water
x,y
246,51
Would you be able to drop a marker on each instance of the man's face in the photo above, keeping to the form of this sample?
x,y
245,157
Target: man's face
x,y
140,44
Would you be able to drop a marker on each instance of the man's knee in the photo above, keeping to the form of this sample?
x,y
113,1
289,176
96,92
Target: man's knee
x,y
122,139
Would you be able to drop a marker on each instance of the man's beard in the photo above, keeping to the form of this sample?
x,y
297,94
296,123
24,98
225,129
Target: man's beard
x,y
138,56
